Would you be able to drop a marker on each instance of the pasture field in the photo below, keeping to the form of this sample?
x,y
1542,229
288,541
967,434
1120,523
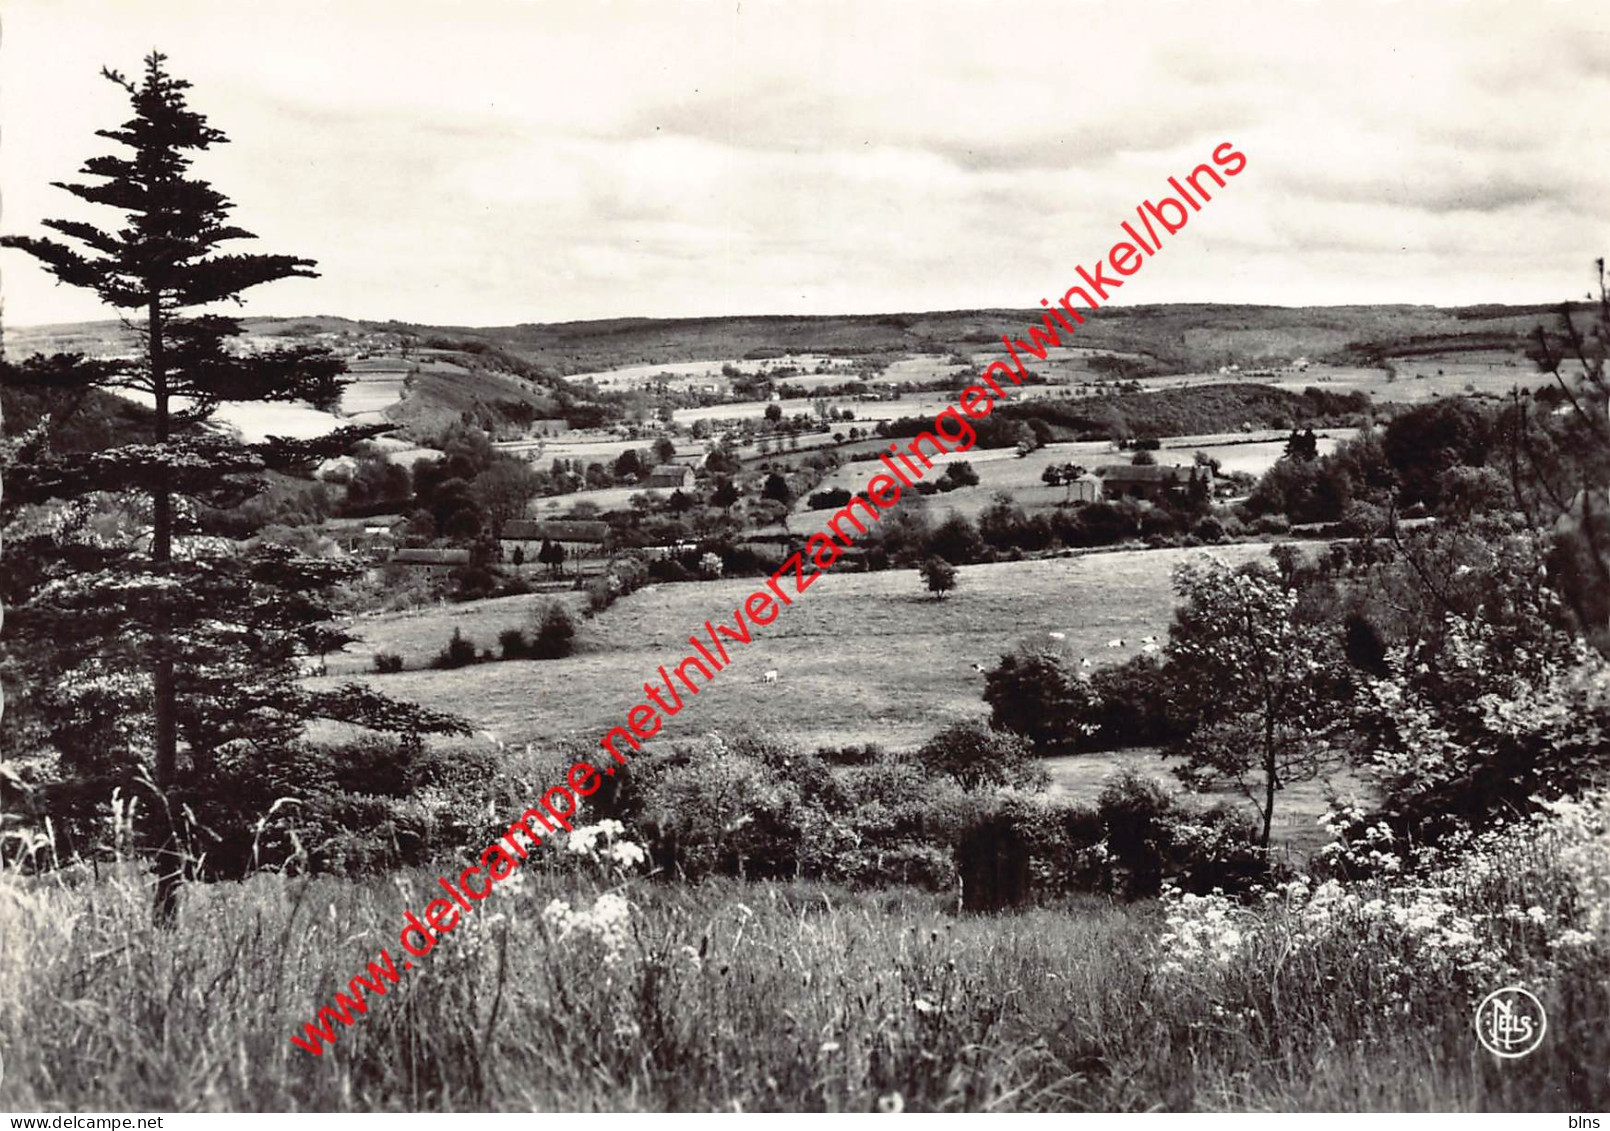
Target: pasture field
x,y
1001,469
862,657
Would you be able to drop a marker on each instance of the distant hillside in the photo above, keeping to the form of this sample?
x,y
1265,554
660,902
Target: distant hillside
x,y
425,377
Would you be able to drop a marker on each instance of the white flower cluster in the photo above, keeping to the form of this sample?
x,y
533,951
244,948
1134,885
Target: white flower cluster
x,y
1202,929
607,923
602,842
1440,920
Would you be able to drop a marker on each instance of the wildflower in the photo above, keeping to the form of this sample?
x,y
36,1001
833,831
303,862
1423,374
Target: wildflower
x,y
626,854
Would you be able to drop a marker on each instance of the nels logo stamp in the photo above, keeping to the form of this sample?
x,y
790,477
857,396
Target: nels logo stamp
x,y
1510,1022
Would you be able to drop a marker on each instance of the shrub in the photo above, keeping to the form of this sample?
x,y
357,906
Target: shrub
x,y
556,633
830,499
977,756
852,755
459,652
1035,692
513,644
938,575
388,663
1153,837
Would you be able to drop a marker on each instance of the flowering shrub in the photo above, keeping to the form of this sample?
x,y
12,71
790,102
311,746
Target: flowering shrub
x,y
1496,715
1511,904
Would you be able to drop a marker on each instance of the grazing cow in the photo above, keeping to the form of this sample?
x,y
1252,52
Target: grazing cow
x,y
1148,640
1085,663
979,667
1057,635
1116,642
769,677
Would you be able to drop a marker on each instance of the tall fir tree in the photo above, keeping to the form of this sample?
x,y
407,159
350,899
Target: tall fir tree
x,y
154,657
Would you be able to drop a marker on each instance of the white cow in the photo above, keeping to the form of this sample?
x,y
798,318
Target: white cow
x,y
979,667
769,677
1085,663
1148,640
1057,635
1116,642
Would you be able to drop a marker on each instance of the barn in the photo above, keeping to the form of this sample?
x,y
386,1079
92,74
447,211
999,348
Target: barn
x,y
672,476
581,538
1152,483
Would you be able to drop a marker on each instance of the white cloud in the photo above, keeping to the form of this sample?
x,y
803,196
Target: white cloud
x,y
504,162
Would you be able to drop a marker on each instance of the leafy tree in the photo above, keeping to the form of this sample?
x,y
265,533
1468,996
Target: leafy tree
x,y
1035,692
629,463
774,413
1260,688
1302,447
959,474
765,512
1426,441
777,489
1566,456
664,450
161,662
504,490
1000,522
957,540
1143,458
978,756
1501,711
939,575
725,493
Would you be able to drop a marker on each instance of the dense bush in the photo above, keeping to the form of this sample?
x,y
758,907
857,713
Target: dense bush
x,y
1035,691
977,756
388,663
830,499
555,636
457,653
1138,837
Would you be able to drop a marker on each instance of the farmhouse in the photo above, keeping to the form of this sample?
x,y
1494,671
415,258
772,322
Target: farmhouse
x,y
354,535
1154,484
580,538
675,476
1085,489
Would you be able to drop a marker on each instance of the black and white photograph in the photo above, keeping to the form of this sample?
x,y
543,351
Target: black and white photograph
x,y
838,556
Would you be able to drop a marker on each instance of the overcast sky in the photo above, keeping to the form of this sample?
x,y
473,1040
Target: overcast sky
x,y
494,162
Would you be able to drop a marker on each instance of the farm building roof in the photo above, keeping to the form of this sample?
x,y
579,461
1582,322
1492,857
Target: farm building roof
x,y
669,475
1130,473
555,530
431,557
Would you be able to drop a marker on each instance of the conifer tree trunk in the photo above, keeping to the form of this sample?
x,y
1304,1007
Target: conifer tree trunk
x,y
170,858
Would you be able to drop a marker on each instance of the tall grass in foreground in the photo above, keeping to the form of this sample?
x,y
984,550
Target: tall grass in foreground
x,y
728,995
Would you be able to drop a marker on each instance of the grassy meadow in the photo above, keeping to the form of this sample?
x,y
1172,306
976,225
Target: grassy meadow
x,y
739,996
862,657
